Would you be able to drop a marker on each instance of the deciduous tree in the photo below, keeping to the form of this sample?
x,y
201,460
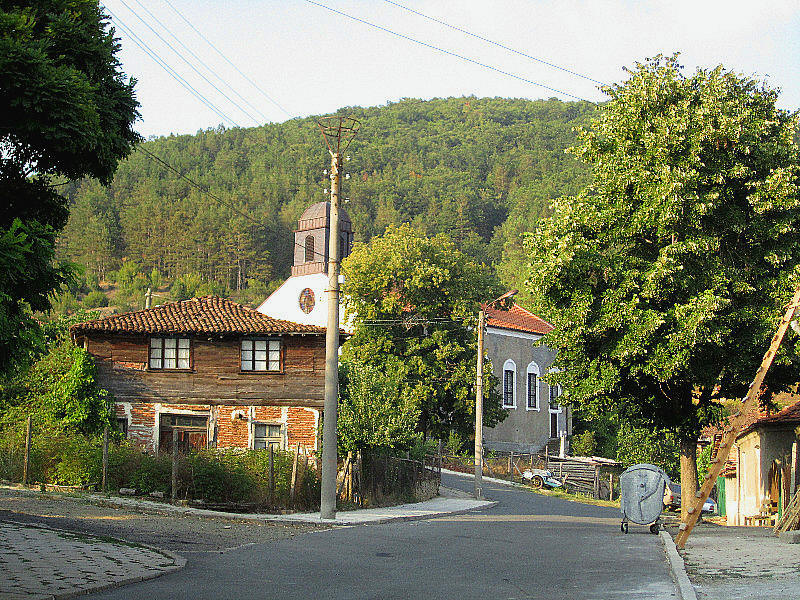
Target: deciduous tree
x,y
665,278
414,301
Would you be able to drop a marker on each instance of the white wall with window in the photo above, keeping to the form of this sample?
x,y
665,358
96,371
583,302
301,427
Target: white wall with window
x,y
532,386
509,384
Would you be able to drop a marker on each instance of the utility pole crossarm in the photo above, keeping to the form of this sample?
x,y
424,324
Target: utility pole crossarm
x,y
734,426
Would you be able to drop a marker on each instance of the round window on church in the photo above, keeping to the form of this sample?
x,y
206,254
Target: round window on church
x,y
307,300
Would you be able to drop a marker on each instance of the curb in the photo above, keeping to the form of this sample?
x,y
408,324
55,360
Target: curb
x,y
677,567
295,518
178,560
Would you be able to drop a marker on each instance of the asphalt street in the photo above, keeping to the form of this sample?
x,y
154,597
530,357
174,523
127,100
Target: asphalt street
x,y
528,546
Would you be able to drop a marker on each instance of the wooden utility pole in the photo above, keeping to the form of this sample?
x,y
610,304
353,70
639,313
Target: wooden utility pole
x,y
174,465
734,427
104,478
338,133
27,464
479,412
479,398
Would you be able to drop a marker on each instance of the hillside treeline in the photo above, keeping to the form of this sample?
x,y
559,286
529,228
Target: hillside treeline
x,y
481,170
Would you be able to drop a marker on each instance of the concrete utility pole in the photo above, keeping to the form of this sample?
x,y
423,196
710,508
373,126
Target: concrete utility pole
x,y
479,397
338,133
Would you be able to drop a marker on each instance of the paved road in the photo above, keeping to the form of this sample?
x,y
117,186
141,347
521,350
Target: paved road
x,y
529,546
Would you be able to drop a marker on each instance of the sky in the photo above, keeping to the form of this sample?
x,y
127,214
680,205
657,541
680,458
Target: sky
x,y
273,60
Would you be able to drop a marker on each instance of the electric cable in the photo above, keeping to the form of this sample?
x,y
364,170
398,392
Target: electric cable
x,y
200,60
498,44
450,53
226,59
171,72
190,65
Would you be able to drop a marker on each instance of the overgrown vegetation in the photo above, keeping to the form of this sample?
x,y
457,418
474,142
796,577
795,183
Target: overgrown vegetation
x,y
482,170
213,476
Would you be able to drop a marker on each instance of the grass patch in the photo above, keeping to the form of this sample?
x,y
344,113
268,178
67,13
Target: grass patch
x,y
556,493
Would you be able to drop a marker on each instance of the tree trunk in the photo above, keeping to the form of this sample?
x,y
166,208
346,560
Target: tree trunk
x,y
688,473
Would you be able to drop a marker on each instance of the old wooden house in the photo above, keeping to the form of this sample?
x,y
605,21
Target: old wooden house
x,y
219,373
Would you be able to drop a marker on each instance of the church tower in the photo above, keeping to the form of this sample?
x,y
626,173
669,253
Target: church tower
x,y
302,297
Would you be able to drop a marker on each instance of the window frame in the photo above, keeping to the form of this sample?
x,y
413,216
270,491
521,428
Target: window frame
x,y
533,369
510,367
162,349
309,248
279,439
252,350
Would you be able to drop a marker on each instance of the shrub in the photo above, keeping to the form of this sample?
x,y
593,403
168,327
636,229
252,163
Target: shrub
x,y
95,299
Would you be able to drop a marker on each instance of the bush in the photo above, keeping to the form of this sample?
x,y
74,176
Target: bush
x,y
95,299
583,444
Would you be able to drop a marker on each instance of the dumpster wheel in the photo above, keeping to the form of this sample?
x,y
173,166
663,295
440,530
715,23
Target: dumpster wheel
x,y
654,528
623,527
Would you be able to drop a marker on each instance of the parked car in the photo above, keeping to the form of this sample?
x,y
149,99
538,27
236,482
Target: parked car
x,y
672,499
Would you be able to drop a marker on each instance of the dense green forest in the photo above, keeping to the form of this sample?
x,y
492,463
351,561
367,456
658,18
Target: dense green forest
x,y
479,169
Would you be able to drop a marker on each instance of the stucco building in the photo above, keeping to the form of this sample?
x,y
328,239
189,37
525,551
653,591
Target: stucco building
x,y
535,416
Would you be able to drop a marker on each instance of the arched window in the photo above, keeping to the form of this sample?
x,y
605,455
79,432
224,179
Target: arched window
x,y
532,388
310,248
510,384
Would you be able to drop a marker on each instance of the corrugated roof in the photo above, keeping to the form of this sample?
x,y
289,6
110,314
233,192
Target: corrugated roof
x,y
209,314
516,318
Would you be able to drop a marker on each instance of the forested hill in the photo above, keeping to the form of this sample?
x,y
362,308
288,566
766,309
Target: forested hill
x,y
481,170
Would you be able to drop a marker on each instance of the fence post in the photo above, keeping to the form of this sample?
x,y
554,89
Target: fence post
x,y
511,465
174,465
27,464
359,479
271,476
104,482
611,486
294,474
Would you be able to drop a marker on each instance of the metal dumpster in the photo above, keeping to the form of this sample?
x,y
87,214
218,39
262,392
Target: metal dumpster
x,y
642,496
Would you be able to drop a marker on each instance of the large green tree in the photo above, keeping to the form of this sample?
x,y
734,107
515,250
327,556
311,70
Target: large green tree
x,y
414,301
66,110
666,277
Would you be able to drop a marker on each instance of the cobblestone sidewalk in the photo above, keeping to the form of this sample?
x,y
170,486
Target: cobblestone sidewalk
x,y
38,562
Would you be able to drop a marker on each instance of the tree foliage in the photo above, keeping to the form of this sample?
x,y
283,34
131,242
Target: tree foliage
x,y
414,301
482,170
67,111
59,389
374,412
665,278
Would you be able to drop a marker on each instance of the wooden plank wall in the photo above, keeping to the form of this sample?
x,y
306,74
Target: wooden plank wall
x,y
215,376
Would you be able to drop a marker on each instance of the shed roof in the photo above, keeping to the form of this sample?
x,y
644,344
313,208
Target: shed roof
x,y
207,315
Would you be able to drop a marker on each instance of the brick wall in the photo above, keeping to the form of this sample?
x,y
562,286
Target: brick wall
x,y
229,426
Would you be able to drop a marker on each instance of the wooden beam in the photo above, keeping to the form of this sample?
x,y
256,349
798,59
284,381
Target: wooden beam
x,y
734,427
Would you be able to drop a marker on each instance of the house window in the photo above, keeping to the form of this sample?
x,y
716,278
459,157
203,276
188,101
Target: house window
x,y
122,426
553,424
309,248
261,355
266,435
169,353
509,387
532,387
555,392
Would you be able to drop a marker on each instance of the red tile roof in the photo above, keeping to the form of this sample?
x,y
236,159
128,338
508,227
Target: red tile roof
x,y
516,318
788,416
209,314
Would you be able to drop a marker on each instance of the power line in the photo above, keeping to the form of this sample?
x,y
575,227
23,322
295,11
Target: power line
x,y
448,52
191,66
171,72
200,60
498,44
226,59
